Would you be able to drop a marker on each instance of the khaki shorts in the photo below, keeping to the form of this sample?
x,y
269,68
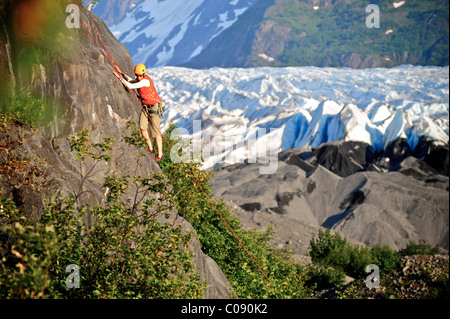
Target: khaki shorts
x,y
154,124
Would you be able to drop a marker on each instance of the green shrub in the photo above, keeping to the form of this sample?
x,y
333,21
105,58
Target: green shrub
x,y
334,251
385,258
29,109
26,272
126,253
322,277
419,248
321,248
360,258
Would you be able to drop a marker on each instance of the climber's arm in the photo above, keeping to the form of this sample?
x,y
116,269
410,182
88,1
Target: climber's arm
x,y
131,83
134,84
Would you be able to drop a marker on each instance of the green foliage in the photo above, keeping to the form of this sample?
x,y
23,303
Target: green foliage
x,y
325,277
34,48
26,109
350,292
327,36
441,289
190,185
91,2
25,274
419,248
385,258
334,251
326,243
80,144
124,248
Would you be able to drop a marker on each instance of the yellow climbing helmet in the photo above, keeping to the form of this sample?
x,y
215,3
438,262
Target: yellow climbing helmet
x,y
140,69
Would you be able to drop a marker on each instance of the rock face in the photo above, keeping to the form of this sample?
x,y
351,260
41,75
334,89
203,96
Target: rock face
x,y
76,83
368,202
343,158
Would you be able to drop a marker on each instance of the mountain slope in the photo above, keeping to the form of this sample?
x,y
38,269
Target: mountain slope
x,y
328,33
232,48
113,11
170,32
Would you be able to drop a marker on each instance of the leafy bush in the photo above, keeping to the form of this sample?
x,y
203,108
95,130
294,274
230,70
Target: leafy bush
x,y
320,248
25,109
419,248
325,277
25,273
126,253
385,258
334,251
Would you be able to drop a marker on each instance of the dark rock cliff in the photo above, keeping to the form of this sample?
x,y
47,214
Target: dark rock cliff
x,y
68,73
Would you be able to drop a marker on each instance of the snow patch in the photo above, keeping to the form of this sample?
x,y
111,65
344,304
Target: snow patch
x,y
398,4
196,51
266,57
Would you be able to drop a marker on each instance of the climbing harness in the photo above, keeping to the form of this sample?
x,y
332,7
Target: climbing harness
x,y
160,111
113,65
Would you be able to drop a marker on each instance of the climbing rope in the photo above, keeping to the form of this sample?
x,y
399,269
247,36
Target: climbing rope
x,y
110,59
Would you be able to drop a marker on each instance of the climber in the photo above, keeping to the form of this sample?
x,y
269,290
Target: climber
x,y
150,101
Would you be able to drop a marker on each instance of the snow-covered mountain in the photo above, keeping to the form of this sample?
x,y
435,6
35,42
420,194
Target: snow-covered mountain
x,y
255,33
169,32
229,110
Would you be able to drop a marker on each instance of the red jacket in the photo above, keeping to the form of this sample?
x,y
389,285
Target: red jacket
x,y
148,94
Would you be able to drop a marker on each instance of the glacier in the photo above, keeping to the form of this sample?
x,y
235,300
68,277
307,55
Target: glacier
x,y
231,110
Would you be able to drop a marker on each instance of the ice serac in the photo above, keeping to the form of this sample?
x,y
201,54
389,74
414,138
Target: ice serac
x,y
396,129
356,125
86,96
322,124
428,129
